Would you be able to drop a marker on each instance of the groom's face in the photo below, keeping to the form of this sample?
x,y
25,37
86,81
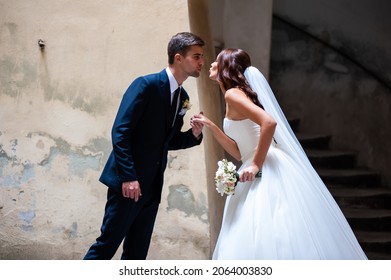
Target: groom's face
x,y
193,61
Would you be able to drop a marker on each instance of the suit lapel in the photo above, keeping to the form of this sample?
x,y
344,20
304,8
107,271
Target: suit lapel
x,y
166,97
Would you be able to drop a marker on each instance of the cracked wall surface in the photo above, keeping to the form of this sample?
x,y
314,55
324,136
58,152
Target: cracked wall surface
x,y
57,106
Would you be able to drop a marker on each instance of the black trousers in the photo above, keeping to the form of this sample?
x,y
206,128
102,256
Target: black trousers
x,y
128,221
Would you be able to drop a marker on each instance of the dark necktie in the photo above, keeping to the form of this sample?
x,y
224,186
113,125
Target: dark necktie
x,y
174,105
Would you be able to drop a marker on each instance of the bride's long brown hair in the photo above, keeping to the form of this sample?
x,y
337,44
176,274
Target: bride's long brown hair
x,y
231,64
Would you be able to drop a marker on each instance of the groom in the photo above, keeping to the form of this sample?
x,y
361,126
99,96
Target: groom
x,y
147,125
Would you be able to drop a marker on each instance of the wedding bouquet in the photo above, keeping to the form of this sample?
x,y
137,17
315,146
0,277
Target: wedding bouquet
x,y
227,177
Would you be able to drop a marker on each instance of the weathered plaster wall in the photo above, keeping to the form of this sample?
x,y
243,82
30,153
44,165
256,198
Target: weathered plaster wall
x,y
57,106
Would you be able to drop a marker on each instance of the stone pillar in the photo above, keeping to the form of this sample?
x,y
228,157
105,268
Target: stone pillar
x,y
210,104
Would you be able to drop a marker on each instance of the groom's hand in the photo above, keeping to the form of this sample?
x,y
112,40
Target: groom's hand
x,y
196,126
131,190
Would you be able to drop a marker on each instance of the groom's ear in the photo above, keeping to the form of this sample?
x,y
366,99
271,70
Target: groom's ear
x,y
178,57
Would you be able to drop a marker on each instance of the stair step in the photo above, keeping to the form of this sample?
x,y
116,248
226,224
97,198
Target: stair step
x,y
375,198
368,219
331,158
313,141
357,177
358,191
294,123
378,256
373,236
375,242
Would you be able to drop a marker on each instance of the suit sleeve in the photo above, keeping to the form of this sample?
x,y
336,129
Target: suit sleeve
x,y
130,110
184,140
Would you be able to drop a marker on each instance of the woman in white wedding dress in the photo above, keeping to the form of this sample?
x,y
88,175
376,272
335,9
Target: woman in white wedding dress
x,y
288,213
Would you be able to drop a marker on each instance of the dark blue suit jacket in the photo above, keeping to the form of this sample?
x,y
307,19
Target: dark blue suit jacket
x,y
142,135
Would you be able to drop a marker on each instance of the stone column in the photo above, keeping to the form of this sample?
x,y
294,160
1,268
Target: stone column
x,y
210,104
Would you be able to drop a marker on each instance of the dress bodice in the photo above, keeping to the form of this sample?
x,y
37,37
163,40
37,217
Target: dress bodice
x,y
246,134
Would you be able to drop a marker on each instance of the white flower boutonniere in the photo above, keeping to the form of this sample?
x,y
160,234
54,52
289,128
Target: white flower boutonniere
x,y
186,105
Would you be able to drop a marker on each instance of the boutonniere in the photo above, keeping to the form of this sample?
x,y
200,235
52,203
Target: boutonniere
x,y
186,105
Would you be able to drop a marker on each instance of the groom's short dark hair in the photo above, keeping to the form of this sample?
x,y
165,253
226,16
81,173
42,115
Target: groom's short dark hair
x,y
180,43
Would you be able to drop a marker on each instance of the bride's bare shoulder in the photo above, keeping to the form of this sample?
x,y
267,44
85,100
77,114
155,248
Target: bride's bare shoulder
x,y
234,94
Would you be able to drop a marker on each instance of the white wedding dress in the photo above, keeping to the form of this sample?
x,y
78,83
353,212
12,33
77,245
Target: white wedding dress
x,y
286,214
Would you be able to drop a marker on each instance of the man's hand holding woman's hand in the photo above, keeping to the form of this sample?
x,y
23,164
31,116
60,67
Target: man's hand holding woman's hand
x,y
196,126
200,119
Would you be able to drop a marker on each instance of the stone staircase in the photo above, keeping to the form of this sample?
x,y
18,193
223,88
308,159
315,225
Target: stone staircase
x,y
358,191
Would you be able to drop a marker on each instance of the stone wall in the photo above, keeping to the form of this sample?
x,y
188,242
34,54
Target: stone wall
x,y
330,67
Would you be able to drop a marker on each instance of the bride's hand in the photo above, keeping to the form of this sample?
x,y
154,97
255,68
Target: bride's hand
x,y
200,118
248,173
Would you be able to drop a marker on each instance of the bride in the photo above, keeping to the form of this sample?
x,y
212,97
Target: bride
x,y
288,213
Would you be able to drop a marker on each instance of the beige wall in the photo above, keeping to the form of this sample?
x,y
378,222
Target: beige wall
x,y
57,107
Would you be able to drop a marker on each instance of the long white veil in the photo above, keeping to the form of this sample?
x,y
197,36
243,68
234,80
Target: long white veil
x,y
284,136
330,219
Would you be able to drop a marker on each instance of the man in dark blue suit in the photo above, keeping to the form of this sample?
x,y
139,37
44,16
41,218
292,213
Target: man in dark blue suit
x,y
148,124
